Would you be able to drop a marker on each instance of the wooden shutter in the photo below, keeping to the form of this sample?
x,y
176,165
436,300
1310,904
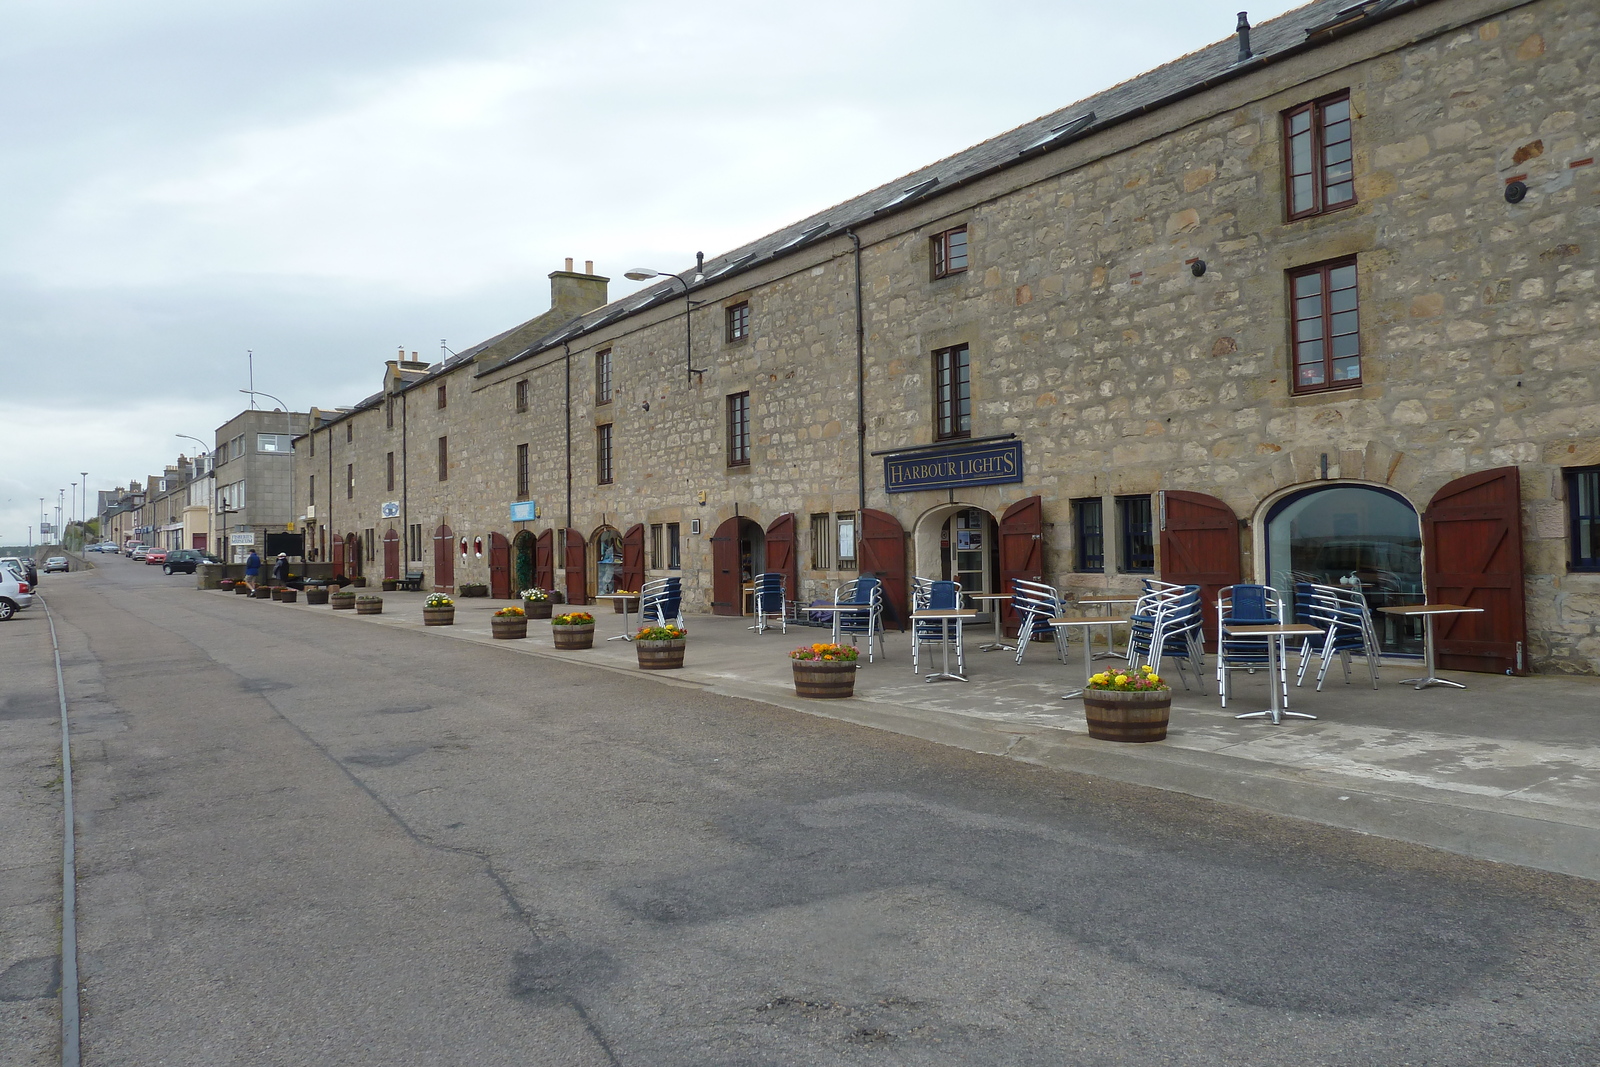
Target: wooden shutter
x,y
1472,555
1200,546
782,553
631,577
1021,551
881,554
352,555
725,596
499,566
338,556
544,569
391,555
444,559
577,558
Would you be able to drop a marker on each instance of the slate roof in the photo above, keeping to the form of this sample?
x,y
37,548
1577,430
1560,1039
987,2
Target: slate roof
x,y
1306,27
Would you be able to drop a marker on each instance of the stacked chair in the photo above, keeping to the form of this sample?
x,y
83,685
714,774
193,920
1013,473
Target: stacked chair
x,y
661,599
1346,623
929,594
1037,604
1165,624
770,602
865,595
1245,605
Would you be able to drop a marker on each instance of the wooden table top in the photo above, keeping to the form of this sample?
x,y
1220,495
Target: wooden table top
x,y
944,613
1087,620
1427,609
1270,629
1107,599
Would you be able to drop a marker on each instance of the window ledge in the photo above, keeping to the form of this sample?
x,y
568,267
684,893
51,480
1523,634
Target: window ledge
x,y
1359,391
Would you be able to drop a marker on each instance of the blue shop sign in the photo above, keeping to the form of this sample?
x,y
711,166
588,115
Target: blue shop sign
x,y
524,511
995,463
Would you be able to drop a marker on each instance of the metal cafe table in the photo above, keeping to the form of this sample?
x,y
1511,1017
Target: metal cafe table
x,y
945,617
621,598
1062,622
1274,632
1105,602
999,641
1428,611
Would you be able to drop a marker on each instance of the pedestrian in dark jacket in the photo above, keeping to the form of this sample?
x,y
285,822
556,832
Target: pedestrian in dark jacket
x,y
280,570
252,570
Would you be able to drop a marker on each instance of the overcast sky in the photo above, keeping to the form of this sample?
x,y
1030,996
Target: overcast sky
x,y
323,183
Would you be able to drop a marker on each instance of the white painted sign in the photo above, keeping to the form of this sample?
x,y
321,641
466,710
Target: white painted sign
x,y
391,509
242,539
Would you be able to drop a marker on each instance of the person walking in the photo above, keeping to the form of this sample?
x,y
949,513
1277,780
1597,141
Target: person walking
x,y
252,570
280,570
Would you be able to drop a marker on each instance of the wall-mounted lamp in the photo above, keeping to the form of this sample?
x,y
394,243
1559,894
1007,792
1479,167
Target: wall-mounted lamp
x,y
639,274
1516,192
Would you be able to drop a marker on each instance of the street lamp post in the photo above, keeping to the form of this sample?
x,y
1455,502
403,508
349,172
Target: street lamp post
x,y
639,274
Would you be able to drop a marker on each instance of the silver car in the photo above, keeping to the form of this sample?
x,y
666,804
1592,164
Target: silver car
x,y
15,593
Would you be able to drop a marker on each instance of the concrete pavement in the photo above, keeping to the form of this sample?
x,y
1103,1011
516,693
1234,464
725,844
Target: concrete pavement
x,y
1505,770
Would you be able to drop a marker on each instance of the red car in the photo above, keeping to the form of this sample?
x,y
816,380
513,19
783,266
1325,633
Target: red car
x,y
155,555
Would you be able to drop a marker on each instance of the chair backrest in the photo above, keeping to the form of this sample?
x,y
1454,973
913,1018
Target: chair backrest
x,y
769,591
944,595
867,590
661,598
1035,597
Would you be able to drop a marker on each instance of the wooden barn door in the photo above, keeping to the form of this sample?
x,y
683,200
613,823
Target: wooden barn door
x,y
499,567
391,555
881,554
1021,552
1200,546
338,556
782,556
352,555
444,559
577,568
544,561
631,576
725,598
1472,556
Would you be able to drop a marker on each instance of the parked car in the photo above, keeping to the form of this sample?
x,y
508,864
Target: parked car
x,y
185,560
138,553
152,556
15,593
15,565
57,563
129,548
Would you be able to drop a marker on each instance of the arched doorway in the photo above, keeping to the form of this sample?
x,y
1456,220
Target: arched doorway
x,y
391,555
544,561
522,560
958,542
738,554
606,543
352,555
1360,534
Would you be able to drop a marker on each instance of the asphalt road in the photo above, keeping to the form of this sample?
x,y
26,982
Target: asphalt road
x,y
305,839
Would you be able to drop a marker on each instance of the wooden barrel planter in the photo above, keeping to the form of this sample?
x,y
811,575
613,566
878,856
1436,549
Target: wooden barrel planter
x,y
359,582
369,605
824,679
289,596
508,627
1136,717
342,601
660,655
241,589
391,584
537,609
439,616
276,593
573,637
316,594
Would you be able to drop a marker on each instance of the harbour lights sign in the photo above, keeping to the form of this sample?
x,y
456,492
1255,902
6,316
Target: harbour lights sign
x,y
952,466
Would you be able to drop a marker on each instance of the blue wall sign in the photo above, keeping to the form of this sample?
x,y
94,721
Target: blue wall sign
x,y
391,509
994,463
524,511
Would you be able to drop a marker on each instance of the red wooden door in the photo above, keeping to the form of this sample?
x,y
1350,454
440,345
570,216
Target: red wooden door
x,y
1472,556
338,556
352,555
198,542
577,568
544,569
782,556
725,596
1021,552
499,566
444,559
881,554
391,555
1200,546
631,577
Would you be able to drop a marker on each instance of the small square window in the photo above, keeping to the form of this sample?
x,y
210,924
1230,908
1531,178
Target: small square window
x,y
443,398
1089,530
602,377
950,252
522,395
1138,546
1318,160
1583,518
738,322
739,430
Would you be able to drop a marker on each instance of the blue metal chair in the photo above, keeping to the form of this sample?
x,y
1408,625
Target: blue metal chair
x,y
865,597
770,601
1037,604
936,596
1172,632
661,599
1346,626
1248,605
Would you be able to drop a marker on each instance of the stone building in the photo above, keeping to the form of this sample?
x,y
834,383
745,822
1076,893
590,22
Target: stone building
x,y
252,480
1315,302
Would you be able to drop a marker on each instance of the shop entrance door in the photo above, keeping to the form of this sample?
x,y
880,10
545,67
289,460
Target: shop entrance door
x,y
391,555
444,559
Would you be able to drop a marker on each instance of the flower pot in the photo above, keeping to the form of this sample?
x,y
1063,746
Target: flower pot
x,y
508,627
439,616
537,609
369,607
342,601
263,592
660,655
276,592
391,584
289,596
1136,716
824,679
574,637
359,582
241,589
316,594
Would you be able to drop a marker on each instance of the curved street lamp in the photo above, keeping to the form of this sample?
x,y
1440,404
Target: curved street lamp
x,y
639,274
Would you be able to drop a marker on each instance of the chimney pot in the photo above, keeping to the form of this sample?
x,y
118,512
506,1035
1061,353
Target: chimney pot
x,y
1244,36
588,266
569,264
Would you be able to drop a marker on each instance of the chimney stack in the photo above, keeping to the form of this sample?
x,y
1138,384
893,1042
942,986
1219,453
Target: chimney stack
x,y
569,264
588,266
572,294
1244,37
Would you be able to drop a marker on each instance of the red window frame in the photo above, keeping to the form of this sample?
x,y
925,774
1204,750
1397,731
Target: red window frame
x,y
1325,326
738,321
950,252
952,393
1319,156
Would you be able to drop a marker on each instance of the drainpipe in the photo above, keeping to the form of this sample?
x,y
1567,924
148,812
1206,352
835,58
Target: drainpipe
x,y
330,483
861,380
405,482
568,349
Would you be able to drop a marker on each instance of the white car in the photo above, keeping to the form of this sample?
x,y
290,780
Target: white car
x,y
15,593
